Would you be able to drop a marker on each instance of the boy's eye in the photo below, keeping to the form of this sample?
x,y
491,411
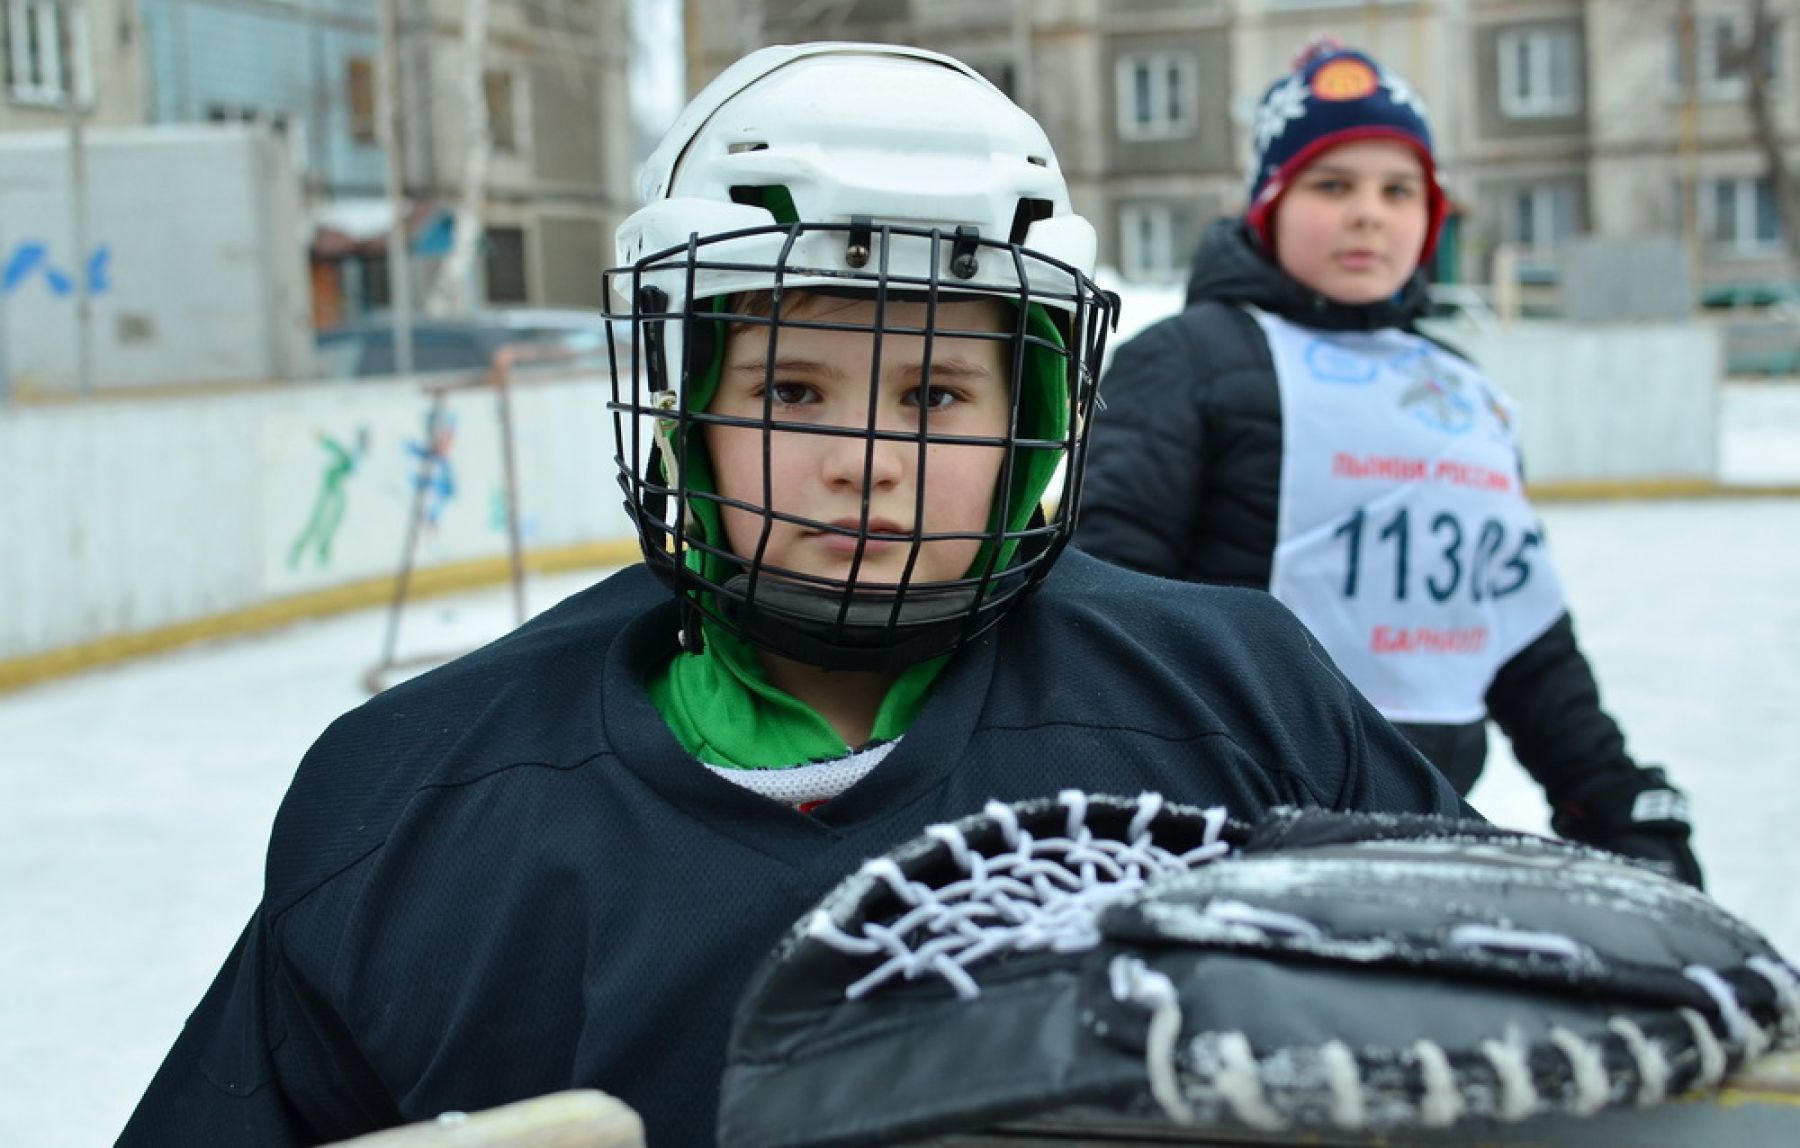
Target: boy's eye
x,y
932,398
791,394
1331,186
1401,191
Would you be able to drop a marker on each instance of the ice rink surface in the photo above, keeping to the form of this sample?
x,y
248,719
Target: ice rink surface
x,y
135,801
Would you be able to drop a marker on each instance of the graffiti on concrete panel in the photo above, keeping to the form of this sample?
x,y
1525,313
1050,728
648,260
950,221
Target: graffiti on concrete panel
x,y
500,515
31,260
331,501
432,473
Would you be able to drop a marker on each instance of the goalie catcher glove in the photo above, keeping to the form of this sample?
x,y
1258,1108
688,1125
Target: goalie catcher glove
x,y
1313,971
1633,812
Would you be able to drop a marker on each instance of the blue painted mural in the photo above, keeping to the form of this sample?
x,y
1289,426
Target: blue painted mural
x,y
31,260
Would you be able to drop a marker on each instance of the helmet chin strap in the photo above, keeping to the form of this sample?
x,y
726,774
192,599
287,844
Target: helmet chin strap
x,y
888,630
859,630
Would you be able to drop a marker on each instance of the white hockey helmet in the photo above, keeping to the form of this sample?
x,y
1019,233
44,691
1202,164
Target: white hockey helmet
x,y
855,132
856,169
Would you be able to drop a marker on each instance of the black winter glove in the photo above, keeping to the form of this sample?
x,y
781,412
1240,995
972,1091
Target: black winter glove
x,y
1633,812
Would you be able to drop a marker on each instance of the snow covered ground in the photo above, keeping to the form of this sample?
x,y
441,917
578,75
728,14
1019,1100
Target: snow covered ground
x,y
135,801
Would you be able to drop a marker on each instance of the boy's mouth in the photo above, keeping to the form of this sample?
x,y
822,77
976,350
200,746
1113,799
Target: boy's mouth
x,y
1358,260
847,543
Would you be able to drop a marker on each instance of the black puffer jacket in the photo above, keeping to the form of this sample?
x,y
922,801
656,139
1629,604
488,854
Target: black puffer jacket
x,y
1184,478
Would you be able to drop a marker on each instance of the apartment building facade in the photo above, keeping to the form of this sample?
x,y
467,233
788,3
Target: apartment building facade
x,y
1675,146
1554,118
559,117
558,177
104,66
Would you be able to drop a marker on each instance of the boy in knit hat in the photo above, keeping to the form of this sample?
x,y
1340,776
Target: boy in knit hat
x,y
1324,450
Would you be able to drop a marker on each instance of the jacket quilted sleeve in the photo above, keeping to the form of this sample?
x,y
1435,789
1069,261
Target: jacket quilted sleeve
x,y
1184,464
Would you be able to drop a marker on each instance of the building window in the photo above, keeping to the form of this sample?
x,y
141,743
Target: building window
x,y
359,92
1155,240
1157,95
1719,42
1540,72
1738,216
34,57
1542,216
501,111
504,265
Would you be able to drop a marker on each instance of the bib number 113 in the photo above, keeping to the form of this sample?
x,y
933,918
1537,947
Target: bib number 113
x,y
1485,562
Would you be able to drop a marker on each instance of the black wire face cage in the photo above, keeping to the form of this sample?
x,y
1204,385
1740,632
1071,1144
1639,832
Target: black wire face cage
x,y
875,616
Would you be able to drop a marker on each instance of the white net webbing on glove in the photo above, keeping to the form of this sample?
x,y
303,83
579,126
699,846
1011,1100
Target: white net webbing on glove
x,y
1040,894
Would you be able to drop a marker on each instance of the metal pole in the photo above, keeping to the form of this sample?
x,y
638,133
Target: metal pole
x,y
67,11
1687,129
515,542
428,458
387,100
318,136
1022,92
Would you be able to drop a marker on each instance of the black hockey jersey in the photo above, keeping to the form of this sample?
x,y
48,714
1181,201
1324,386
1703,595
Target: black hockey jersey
x,y
506,878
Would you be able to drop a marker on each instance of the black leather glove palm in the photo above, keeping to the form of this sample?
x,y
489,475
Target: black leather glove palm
x,y
1633,812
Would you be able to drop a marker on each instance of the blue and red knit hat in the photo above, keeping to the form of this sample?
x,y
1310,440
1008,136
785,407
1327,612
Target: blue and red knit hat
x,y
1334,95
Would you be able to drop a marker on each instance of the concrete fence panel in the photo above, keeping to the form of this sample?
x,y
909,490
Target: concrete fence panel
x,y
1606,402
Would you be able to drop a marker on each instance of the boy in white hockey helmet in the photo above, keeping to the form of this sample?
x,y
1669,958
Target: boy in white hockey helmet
x,y
866,337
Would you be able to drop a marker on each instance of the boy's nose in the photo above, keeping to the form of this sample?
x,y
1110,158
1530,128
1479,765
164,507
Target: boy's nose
x,y
854,460
1366,207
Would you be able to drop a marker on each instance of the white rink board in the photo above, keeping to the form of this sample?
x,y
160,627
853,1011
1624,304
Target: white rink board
x,y
125,516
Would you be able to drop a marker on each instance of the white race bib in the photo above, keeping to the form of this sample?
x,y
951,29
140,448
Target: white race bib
x,y
1404,541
